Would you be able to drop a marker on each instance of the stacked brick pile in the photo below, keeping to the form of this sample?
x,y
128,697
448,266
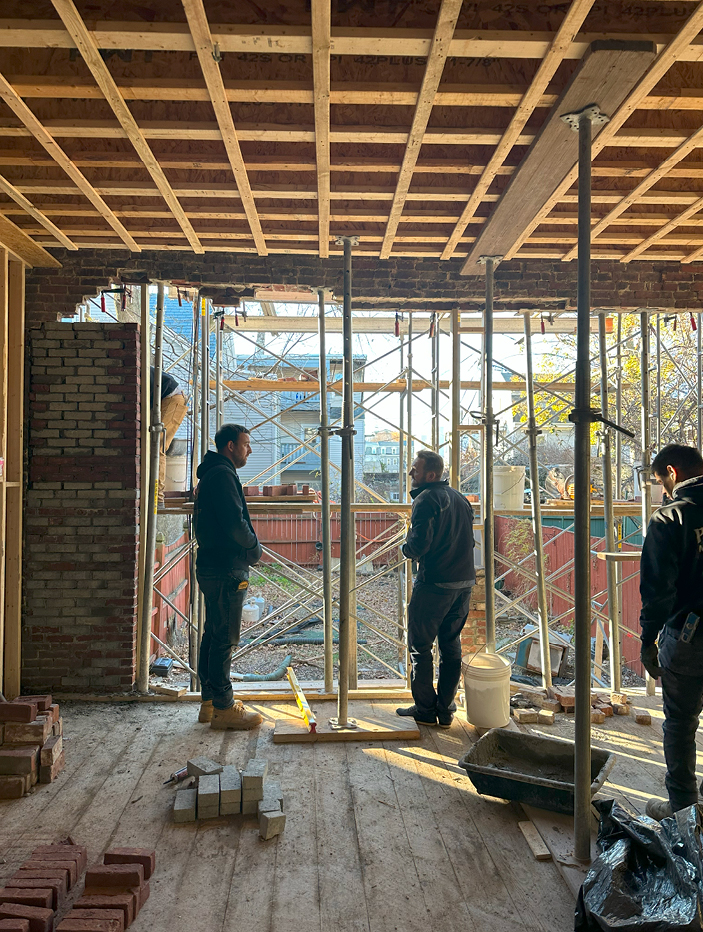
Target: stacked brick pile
x,y
224,790
473,637
37,892
115,891
31,744
79,629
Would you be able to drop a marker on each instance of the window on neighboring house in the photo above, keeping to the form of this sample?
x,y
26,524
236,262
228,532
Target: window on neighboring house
x,y
310,434
394,496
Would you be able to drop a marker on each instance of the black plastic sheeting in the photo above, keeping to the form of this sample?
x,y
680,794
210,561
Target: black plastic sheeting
x,y
648,876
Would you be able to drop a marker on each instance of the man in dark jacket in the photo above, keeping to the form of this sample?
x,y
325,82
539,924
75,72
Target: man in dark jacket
x,y
227,547
441,539
671,587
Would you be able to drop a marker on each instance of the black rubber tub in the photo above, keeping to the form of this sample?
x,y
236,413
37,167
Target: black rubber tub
x,y
530,769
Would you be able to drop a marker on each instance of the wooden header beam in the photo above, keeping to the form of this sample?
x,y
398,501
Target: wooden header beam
x,y
321,41
386,325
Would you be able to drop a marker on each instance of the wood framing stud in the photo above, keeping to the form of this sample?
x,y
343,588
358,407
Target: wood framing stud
x,y
85,44
207,49
439,50
321,42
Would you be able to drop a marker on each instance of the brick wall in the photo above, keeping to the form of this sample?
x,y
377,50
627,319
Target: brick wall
x,y
79,626
538,283
473,637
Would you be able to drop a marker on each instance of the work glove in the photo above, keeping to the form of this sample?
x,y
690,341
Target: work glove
x,y
649,656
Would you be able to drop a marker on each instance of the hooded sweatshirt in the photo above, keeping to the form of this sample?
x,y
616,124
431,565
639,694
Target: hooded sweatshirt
x,y
226,539
441,535
671,568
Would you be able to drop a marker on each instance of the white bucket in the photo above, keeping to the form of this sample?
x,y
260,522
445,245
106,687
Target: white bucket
x,y
250,613
508,487
487,689
175,474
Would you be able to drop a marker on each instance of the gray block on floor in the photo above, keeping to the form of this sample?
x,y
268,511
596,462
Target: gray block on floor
x,y
184,805
253,776
203,766
250,806
253,795
209,796
273,797
271,824
230,791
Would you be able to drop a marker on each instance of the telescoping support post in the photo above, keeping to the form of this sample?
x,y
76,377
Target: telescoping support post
x,y
156,431
348,542
645,478
324,432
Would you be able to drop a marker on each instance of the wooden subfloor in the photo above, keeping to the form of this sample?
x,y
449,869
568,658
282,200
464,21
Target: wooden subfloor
x,y
385,837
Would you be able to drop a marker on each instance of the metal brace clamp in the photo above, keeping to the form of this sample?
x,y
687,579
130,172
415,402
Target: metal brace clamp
x,y
349,725
340,240
325,431
533,431
479,416
156,428
345,431
592,112
593,416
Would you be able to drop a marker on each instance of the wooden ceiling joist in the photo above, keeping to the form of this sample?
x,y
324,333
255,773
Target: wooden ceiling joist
x,y
672,53
606,75
37,129
85,43
321,42
439,50
354,41
576,14
19,244
208,56
29,208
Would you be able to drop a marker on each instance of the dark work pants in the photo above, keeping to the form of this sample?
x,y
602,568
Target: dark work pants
x,y
438,613
223,622
682,690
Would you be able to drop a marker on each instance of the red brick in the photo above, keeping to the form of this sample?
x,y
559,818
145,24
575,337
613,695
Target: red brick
x,y
40,896
119,877
14,925
40,919
51,750
35,732
37,862
144,856
72,924
14,787
43,703
18,760
127,902
57,885
51,875
77,853
18,711
49,772
116,915
52,713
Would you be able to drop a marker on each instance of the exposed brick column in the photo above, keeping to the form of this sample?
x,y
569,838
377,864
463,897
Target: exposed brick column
x,y
81,518
473,637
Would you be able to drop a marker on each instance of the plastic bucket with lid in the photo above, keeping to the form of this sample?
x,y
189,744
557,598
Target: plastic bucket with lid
x,y
487,689
250,613
508,487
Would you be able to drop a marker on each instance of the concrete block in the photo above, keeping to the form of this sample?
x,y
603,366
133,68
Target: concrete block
x,y
271,824
209,796
184,805
643,718
526,716
253,795
597,717
230,791
250,807
253,775
203,766
545,717
144,856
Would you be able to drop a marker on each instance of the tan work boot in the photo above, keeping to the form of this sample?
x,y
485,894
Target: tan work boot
x,y
205,715
235,717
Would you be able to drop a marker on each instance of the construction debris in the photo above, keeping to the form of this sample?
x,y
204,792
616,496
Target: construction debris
x,y
31,744
643,718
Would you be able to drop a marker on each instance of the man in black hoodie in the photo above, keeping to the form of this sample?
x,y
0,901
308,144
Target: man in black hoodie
x,y
671,587
227,547
441,539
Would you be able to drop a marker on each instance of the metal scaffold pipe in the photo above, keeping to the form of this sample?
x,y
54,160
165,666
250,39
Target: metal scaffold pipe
x,y
488,525
218,372
347,542
645,478
156,432
699,384
532,433
608,511
204,378
325,483
455,472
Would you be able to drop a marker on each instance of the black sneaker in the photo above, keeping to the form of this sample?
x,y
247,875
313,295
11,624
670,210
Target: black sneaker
x,y
412,712
445,719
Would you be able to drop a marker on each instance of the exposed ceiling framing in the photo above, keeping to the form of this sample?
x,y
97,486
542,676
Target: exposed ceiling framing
x,y
218,126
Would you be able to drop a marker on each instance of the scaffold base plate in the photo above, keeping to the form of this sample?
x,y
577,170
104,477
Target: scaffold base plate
x,y
373,723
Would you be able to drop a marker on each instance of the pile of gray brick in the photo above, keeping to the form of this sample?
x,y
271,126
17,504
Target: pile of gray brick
x,y
223,790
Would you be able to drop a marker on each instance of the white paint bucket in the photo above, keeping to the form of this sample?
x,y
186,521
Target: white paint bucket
x,y
508,487
175,474
487,690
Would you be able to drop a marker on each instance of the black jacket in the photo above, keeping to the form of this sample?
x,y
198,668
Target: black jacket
x,y
441,535
226,539
671,569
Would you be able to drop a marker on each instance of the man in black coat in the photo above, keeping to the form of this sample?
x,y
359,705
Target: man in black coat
x,y
441,539
671,587
227,547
